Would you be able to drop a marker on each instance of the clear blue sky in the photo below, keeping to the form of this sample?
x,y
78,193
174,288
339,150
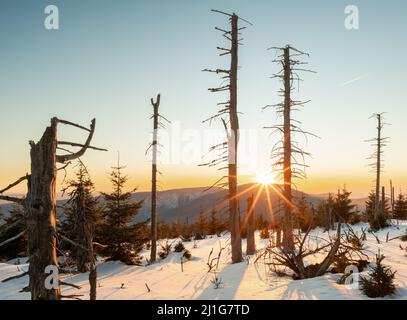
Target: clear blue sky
x,y
110,57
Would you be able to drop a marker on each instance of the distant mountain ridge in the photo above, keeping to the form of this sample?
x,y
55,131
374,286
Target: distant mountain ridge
x,y
185,204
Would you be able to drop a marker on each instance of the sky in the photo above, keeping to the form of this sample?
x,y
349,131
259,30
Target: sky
x,y
108,58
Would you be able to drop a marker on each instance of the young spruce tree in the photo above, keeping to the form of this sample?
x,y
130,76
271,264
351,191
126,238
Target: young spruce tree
x,y
83,217
125,238
380,282
214,226
400,207
343,207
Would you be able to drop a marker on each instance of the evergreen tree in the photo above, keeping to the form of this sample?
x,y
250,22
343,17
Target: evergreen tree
x,y
400,207
176,229
122,236
260,222
324,213
201,224
370,207
187,231
214,226
343,206
83,217
303,214
380,282
163,230
14,224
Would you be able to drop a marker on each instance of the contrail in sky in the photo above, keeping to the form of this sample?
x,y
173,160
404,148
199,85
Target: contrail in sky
x,y
354,80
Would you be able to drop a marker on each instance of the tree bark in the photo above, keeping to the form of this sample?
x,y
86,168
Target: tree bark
x,y
288,242
378,164
153,255
383,202
236,241
251,244
41,203
92,280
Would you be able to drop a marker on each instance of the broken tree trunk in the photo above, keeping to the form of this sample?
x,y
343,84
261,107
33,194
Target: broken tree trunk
x,y
233,142
153,255
251,245
41,206
288,242
41,220
378,168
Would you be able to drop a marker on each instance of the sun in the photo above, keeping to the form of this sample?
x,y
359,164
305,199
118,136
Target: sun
x,y
265,179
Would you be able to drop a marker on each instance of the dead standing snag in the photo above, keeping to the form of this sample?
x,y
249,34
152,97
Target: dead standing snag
x,y
228,149
40,203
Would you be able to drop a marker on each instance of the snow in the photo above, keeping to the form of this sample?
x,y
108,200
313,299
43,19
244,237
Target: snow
x,y
246,280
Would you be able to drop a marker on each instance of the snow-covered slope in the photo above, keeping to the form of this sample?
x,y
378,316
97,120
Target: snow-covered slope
x,y
246,280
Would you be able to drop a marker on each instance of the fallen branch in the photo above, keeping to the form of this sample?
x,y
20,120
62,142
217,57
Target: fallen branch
x,y
72,296
72,242
5,228
15,277
62,283
12,238
377,239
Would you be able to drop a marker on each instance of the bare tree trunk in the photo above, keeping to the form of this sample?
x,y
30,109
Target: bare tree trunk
x,y
391,197
41,213
233,142
153,255
278,237
251,244
378,167
84,235
92,279
288,242
383,202
230,108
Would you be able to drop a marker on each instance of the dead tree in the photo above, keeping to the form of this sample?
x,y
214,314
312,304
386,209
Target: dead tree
x,y
40,203
379,143
285,153
154,145
228,149
251,244
392,199
153,256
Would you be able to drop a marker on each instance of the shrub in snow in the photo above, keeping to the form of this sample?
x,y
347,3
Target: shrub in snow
x,y
199,236
187,254
380,282
354,239
216,281
126,253
179,247
165,250
264,234
342,261
378,223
